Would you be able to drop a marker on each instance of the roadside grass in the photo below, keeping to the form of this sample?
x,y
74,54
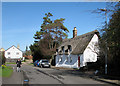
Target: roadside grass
x,y
31,64
10,63
6,72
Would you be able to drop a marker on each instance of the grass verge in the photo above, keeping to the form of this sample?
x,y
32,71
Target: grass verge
x,y
10,63
31,64
6,72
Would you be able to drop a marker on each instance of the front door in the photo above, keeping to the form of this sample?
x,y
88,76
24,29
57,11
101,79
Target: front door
x,y
78,61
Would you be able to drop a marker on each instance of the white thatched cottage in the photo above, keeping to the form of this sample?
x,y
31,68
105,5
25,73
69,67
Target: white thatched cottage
x,y
77,51
13,53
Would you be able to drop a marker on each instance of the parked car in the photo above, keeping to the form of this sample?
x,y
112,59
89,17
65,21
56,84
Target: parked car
x,y
36,63
44,63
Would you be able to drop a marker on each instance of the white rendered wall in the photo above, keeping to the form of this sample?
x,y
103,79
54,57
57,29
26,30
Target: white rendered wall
x,y
90,53
68,64
13,53
65,63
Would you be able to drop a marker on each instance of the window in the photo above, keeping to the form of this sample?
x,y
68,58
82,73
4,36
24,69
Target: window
x,y
56,50
66,59
70,59
8,53
17,53
70,48
63,48
60,59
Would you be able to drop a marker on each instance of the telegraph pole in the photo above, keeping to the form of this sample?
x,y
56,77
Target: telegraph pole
x,y
105,10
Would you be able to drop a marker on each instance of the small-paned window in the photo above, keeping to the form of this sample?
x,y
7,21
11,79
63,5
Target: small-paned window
x,y
70,47
63,48
60,59
70,59
66,59
17,53
56,50
8,53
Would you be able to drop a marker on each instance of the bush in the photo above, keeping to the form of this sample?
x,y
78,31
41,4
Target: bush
x,y
3,58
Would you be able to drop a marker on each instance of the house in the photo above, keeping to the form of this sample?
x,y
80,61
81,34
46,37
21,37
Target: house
x,y
77,51
13,53
2,50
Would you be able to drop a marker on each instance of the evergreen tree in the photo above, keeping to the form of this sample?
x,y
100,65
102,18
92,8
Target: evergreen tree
x,y
51,34
112,35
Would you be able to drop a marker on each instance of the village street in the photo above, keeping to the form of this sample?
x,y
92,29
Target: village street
x,y
38,75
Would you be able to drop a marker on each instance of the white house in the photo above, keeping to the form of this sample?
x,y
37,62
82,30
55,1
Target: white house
x,y
13,53
77,51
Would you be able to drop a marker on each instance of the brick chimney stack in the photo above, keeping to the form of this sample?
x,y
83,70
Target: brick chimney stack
x,y
18,46
74,32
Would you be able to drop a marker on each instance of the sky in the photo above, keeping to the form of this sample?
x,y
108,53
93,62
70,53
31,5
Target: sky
x,y
21,20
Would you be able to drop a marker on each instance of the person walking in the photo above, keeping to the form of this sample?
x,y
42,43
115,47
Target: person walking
x,y
18,65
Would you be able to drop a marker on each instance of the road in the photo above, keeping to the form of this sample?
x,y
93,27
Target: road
x,y
38,75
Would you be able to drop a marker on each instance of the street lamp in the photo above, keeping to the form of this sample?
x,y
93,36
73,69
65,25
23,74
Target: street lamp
x,y
105,10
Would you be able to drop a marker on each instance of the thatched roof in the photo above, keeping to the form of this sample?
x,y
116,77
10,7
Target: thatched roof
x,y
78,43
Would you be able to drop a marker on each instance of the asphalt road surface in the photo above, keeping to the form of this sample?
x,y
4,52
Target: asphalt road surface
x,y
38,75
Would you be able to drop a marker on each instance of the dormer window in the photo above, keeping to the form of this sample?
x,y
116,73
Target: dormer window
x,y
66,50
57,50
63,48
70,48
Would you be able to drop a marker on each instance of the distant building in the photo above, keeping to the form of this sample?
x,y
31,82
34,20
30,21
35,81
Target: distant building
x,y
2,50
28,56
77,51
13,53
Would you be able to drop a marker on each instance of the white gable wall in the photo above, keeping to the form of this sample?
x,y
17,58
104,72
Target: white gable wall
x,y
14,53
90,54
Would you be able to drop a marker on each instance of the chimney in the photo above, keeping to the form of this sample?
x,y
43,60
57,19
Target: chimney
x,y
18,46
74,32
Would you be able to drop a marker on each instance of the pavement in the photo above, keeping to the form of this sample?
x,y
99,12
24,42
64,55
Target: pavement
x,y
0,81
15,78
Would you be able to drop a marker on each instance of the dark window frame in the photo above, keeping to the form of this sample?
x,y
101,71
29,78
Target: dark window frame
x,y
8,53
